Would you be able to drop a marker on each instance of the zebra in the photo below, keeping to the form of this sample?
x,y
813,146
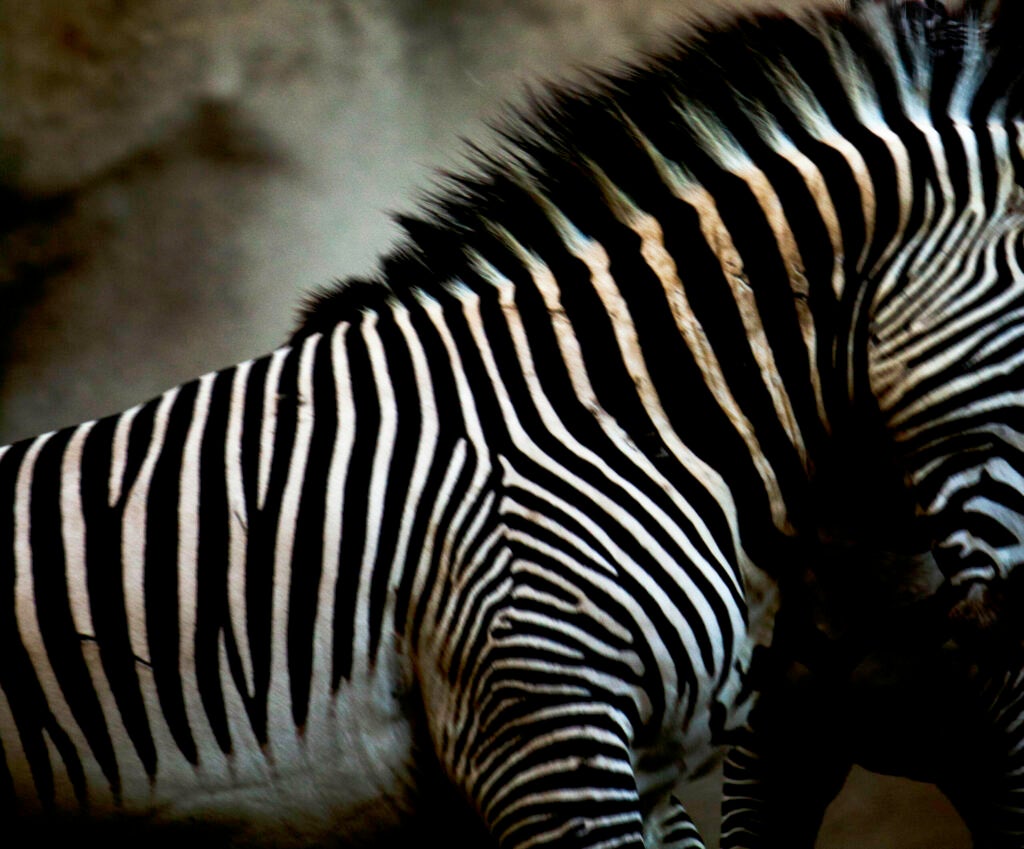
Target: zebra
x,y
496,540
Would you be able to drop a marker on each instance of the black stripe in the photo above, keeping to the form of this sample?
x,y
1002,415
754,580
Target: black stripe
x,y
139,437
492,423
248,463
308,549
261,544
212,613
162,602
353,536
399,474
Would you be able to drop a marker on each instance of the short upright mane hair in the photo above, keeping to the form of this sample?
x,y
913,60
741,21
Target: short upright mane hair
x,y
753,78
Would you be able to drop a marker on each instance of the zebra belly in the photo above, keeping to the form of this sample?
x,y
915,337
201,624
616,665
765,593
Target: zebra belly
x,y
348,775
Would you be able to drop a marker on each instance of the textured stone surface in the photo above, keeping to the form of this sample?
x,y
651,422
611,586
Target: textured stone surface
x,y
175,174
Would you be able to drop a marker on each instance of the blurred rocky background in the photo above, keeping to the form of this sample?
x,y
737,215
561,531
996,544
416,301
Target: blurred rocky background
x,y
176,174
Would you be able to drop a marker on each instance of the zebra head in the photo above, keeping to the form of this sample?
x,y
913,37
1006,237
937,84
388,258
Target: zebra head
x,y
944,319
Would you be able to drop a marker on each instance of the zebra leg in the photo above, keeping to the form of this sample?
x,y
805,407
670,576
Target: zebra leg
x,y
982,764
538,741
535,708
555,774
778,780
671,827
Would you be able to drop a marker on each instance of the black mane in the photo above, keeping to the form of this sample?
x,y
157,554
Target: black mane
x,y
730,72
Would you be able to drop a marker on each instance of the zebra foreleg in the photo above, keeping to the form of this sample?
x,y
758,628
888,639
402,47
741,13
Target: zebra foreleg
x,y
583,799
543,766
556,775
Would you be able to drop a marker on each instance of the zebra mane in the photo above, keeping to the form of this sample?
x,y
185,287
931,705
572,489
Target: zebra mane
x,y
755,83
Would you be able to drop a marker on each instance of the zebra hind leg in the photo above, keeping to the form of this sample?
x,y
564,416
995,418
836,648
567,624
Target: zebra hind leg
x,y
671,827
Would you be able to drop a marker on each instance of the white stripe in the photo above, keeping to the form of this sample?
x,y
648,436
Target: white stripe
x,y
488,563
74,532
567,339
709,622
384,447
173,765
775,216
29,626
17,761
463,708
119,454
238,519
952,388
523,441
800,98
476,525
133,532
433,615
816,185
476,445
334,506
512,775
864,100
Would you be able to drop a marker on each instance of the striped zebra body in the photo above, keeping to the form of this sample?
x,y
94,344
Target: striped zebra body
x,y
510,518
204,626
